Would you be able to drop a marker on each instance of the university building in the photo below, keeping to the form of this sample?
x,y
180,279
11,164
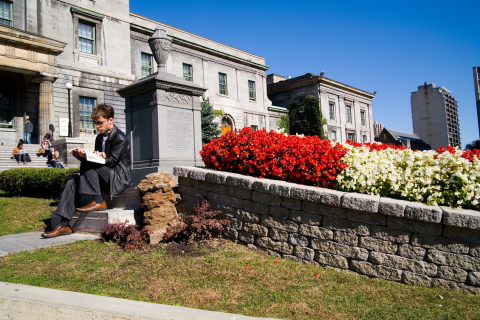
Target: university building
x,y
435,116
348,110
99,47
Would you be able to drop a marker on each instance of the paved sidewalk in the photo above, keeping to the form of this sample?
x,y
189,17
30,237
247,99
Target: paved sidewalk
x,y
32,240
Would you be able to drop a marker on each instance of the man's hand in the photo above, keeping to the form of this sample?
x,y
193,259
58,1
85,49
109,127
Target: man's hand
x,y
101,154
80,152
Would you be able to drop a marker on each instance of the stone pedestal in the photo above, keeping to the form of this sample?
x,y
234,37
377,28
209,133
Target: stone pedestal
x,y
63,146
163,120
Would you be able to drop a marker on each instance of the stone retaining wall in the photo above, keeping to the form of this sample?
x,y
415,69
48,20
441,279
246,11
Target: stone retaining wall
x,y
386,238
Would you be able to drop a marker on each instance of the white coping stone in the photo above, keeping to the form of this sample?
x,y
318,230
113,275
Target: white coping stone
x,y
332,197
360,202
423,212
280,188
197,173
181,171
217,176
392,207
240,181
461,218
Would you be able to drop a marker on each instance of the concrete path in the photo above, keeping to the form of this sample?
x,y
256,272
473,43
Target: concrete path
x,y
32,240
19,301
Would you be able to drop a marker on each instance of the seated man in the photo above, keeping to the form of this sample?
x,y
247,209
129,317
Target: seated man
x,y
19,154
112,145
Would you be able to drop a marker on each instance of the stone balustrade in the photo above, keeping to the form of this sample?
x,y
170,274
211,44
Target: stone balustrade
x,y
391,239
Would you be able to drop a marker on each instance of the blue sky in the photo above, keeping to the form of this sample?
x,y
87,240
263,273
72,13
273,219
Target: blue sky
x,y
386,46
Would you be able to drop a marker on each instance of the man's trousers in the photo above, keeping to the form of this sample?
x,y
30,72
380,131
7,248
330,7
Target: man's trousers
x,y
94,178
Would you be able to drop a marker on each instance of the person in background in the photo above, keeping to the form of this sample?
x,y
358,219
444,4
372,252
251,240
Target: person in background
x,y
46,145
49,137
28,132
19,154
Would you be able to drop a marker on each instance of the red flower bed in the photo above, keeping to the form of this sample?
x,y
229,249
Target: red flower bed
x,y
308,160
376,146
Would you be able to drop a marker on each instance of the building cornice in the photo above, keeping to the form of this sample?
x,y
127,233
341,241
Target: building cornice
x,y
24,38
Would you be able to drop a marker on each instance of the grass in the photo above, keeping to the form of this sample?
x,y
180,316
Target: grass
x,y
22,214
214,276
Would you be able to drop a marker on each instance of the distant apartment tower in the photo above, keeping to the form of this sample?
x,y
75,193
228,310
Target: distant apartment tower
x,y
476,78
377,128
435,116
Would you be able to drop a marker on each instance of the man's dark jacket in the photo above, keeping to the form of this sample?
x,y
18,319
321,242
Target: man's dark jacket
x,y
117,150
29,128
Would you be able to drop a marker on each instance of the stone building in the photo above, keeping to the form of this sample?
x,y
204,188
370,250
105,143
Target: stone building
x,y
348,110
476,81
377,128
100,47
409,140
435,116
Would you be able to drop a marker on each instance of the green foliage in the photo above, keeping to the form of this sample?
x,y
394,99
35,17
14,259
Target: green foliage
x,y
34,182
284,123
310,122
473,145
218,113
210,128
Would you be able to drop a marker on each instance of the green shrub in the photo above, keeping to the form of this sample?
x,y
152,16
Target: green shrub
x,y
306,118
34,182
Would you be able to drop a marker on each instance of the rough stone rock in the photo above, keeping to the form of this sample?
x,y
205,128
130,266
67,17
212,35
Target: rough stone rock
x,y
315,232
464,234
280,188
451,285
298,240
279,212
304,253
230,233
360,202
266,198
361,229
246,237
243,193
454,260
390,234
304,217
331,260
403,224
255,229
376,271
268,243
339,249
331,197
392,261
347,238
439,243
453,274
422,212
366,217
255,207
248,216
392,207
158,203
411,252
474,279
278,235
378,245
290,203
281,224
416,279
461,218
474,250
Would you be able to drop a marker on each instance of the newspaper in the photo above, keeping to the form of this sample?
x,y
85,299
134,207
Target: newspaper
x,y
92,157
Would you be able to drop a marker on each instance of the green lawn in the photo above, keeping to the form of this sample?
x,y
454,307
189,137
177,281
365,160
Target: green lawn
x,y
22,214
214,276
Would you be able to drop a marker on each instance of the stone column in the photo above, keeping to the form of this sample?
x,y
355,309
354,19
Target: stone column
x,y
45,108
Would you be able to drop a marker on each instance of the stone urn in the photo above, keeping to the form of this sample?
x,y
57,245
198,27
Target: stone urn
x,y
161,45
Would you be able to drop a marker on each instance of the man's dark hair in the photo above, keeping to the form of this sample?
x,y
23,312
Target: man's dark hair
x,y
103,110
19,144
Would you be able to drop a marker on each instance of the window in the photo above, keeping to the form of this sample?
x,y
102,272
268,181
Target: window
x,y
349,114
362,116
333,135
187,72
251,90
351,136
86,106
254,128
332,110
365,138
147,64
222,83
6,13
6,110
86,38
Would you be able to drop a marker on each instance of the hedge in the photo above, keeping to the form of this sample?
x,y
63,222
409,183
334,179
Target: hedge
x,y
34,182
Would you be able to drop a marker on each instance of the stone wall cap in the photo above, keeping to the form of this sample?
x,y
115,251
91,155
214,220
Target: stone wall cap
x,y
392,207
423,212
461,218
360,202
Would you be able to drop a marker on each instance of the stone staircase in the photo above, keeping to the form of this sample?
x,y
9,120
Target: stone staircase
x,y
32,149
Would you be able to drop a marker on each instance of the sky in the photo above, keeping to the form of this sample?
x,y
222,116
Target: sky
x,y
390,47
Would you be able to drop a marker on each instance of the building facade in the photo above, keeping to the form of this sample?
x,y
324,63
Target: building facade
x,y
408,140
348,110
100,47
377,128
476,81
435,116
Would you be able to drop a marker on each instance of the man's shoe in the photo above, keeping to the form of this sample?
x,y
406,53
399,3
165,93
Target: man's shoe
x,y
93,206
57,231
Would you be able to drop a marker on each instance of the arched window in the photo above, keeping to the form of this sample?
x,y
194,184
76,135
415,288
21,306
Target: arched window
x,y
227,124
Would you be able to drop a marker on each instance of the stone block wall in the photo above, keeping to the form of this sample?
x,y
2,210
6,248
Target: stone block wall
x,y
378,237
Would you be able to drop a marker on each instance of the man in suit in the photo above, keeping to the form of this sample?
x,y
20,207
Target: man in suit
x,y
112,145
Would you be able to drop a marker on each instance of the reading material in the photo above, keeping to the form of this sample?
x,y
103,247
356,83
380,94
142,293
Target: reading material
x,y
92,157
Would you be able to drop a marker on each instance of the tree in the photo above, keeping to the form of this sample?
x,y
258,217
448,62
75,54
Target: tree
x,y
306,118
210,128
473,145
284,123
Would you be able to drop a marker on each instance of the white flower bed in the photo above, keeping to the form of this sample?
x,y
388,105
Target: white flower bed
x,y
423,176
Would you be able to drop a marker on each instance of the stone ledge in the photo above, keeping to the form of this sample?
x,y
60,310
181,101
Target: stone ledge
x,y
468,219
